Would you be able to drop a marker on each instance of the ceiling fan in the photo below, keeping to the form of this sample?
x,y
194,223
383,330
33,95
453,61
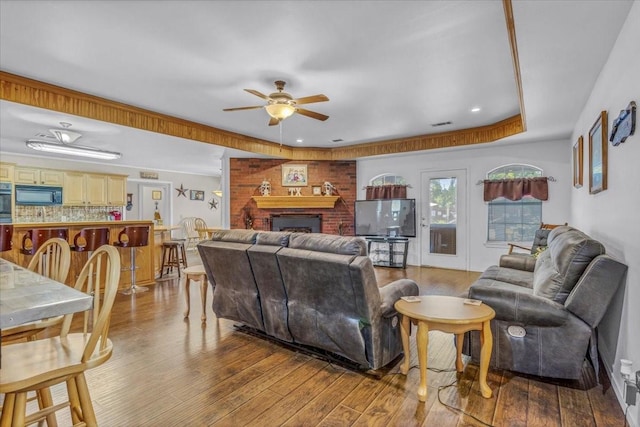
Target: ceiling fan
x,y
281,105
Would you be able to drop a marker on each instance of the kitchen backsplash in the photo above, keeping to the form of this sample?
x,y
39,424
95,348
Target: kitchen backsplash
x,y
65,213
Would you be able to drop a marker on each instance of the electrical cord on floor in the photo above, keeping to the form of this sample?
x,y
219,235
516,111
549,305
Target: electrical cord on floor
x,y
458,410
446,405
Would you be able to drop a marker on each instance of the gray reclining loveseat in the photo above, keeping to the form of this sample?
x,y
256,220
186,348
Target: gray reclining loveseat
x,y
317,290
546,318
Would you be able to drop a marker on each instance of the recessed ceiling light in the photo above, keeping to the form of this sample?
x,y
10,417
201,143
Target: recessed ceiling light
x,y
299,140
475,109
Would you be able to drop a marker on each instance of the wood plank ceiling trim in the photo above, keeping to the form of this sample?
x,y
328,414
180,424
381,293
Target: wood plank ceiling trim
x,y
515,58
31,92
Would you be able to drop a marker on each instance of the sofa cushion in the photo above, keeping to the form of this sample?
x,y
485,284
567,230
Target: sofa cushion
x,y
236,235
273,238
558,269
517,277
317,242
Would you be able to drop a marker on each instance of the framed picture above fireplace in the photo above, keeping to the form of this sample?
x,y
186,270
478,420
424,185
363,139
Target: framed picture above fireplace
x,y
294,175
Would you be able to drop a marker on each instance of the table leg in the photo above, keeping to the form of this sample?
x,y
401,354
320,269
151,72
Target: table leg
x,y
486,340
405,329
187,295
459,364
422,342
203,297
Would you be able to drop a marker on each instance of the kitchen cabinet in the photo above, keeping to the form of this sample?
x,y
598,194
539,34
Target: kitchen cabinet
x,y
84,189
6,172
116,190
37,176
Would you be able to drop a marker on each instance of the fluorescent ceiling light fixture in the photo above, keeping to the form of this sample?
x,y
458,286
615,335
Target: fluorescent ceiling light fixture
x,y
280,111
72,150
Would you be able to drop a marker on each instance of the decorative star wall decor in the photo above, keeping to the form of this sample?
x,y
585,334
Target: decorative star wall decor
x,y
213,204
182,191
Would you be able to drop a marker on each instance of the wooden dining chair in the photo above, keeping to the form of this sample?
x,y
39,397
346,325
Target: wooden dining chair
x,y
37,365
190,232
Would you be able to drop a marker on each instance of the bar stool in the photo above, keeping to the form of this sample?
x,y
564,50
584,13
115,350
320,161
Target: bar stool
x,y
133,237
36,237
173,255
90,239
6,234
196,273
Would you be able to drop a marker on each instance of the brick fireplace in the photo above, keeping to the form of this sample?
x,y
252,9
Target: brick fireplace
x,y
246,175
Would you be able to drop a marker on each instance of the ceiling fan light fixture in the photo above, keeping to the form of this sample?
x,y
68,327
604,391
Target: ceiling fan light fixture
x,y
280,111
65,136
73,150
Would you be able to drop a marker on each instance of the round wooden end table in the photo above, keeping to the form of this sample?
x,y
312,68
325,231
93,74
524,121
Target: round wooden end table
x,y
446,314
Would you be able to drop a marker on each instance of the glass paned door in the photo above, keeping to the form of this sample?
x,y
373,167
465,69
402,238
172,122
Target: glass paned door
x,y
443,220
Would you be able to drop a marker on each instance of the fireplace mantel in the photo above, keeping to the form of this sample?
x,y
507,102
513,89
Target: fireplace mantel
x,y
279,202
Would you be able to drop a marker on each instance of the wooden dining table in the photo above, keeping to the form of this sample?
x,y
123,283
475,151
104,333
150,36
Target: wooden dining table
x,y
26,296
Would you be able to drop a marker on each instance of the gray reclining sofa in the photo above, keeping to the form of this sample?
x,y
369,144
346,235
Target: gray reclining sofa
x,y
317,290
546,318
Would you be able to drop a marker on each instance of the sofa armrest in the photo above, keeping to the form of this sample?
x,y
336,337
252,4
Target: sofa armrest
x,y
392,292
524,262
521,307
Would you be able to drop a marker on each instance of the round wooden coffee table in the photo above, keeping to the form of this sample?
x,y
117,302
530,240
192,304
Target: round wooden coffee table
x,y
446,314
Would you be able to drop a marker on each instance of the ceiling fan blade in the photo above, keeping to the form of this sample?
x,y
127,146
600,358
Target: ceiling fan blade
x,y
258,94
273,121
312,114
243,108
311,99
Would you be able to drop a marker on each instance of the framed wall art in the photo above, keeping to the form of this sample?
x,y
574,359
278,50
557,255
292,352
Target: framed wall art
x,y
156,195
578,150
294,175
196,195
598,154
316,190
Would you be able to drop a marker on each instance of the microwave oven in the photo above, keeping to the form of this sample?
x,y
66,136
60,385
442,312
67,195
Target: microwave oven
x,y
35,195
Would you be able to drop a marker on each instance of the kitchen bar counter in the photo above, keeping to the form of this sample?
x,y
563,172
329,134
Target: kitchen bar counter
x,y
145,259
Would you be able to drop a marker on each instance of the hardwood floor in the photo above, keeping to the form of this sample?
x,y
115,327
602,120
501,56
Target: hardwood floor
x,y
170,371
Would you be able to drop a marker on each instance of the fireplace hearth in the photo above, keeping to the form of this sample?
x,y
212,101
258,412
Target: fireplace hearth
x,y
301,223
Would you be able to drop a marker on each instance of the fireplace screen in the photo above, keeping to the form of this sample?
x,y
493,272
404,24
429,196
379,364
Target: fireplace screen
x,y
297,223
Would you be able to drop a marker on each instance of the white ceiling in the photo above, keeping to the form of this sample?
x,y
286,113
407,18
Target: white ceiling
x,y
390,68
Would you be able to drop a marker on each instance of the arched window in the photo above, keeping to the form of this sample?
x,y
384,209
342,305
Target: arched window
x,y
388,179
514,221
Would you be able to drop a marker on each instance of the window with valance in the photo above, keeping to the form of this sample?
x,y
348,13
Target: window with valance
x,y
387,186
514,194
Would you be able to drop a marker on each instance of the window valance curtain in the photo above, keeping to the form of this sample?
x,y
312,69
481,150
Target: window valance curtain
x,y
386,192
516,189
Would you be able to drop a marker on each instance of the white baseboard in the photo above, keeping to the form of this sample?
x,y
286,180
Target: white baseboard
x,y
618,387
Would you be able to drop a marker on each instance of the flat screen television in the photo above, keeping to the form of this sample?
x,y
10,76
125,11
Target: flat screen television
x,y
385,217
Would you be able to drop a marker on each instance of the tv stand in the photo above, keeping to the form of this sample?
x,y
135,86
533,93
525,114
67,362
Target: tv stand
x,y
387,251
